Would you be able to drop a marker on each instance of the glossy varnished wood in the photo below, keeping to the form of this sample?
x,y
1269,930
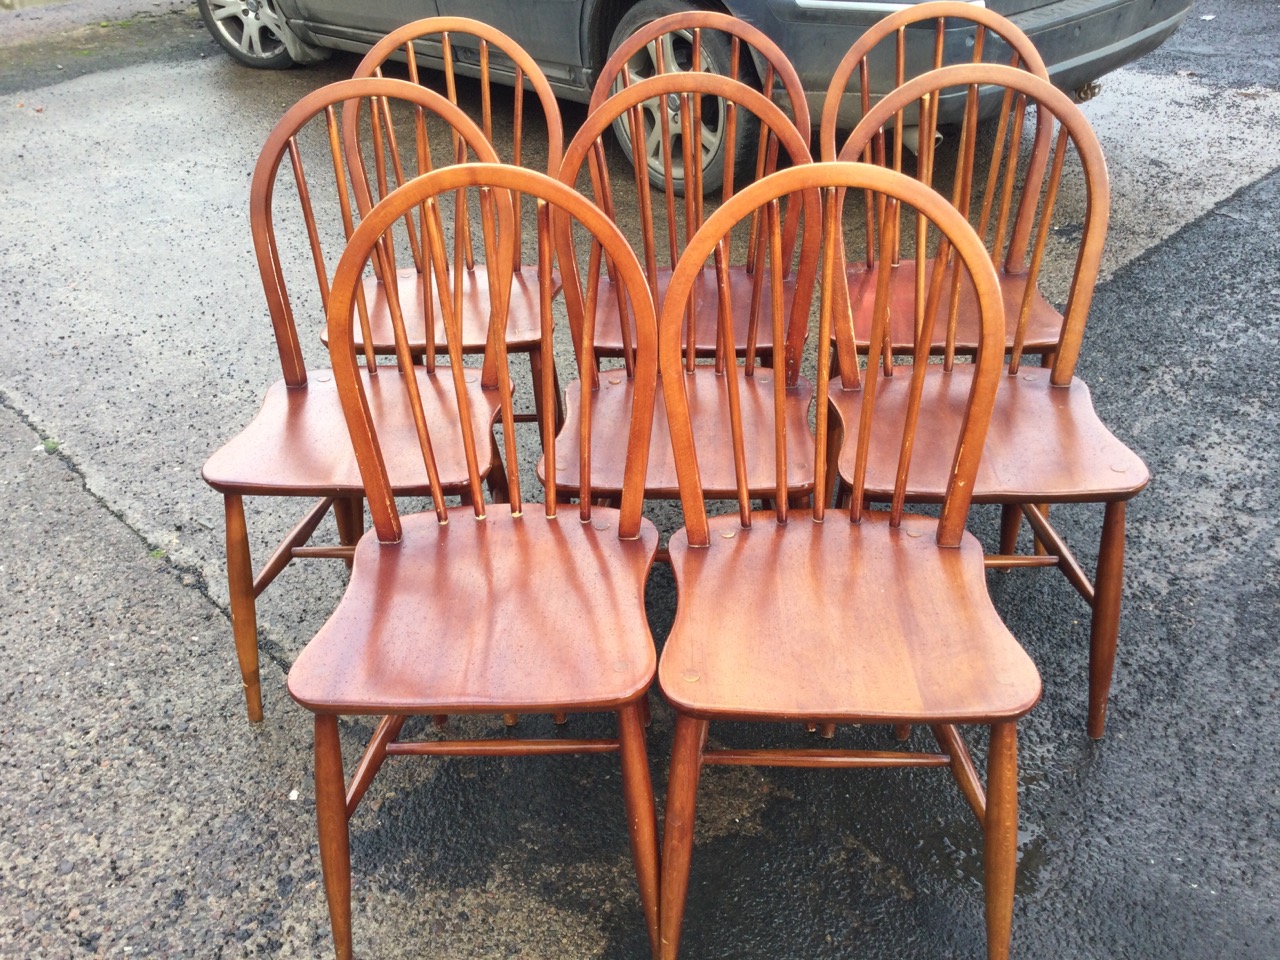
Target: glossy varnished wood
x,y
432,43
847,622
666,220
490,608
1044,442
1043,327
821,616
298,445
1046,445
849,103
710,417
295,446
496,615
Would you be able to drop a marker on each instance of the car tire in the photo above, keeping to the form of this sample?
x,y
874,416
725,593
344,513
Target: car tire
x,y
251,31
716,56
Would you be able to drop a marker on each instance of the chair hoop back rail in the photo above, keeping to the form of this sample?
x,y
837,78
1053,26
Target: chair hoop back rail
x,y
1046,443
447,44
296,445
485,608
820,616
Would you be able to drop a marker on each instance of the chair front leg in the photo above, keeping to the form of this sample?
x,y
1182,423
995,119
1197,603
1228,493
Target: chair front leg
x,y
1104,628
677,831
642,816
335,841
244,612
1000,842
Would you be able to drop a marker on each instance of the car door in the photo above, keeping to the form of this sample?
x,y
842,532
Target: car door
x,y
550,30
362,22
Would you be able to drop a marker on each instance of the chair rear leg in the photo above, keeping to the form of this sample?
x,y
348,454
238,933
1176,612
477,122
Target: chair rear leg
x,y
642,817
1010,526
677,831
244,613
1104,628
335,841
348,513
1000,843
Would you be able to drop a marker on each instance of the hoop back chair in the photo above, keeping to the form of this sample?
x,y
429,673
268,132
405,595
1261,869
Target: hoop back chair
x,y
1046,443
458,46
984,191
755,294
821,615
702,40
657,120
296,445
485,608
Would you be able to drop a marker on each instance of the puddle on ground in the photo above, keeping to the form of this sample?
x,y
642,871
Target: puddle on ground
x,y
957,854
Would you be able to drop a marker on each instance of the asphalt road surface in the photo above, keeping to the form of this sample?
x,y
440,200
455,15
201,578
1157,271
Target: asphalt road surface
x,y
141,815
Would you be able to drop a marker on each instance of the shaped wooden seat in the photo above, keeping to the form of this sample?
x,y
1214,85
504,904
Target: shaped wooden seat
x,y
820,616
985,195
485,608
1046,443
744,294
438,51
296,445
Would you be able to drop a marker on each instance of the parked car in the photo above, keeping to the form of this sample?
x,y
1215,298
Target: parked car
x,y
1080,40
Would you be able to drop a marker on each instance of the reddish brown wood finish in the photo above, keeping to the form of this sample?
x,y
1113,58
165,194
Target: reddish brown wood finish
x,y
667,219
821,616
434,40
498,609
986,202
1046,443
743,310
297,444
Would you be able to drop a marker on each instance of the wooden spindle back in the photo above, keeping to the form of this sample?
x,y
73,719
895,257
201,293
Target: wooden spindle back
x,y
564,218
326,191
1013,178
683,215
878,60
457,47
901,199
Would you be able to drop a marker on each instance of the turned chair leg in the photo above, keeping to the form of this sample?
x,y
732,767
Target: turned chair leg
x,y
1104,628
244,615
1010,525
335,842
1000,842
348,513
642,816
677,831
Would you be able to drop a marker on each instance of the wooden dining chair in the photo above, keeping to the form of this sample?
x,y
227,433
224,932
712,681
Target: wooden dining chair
x,y
485,608
714,42
440,51
296,445
984,192
819,615
1046,443
762,293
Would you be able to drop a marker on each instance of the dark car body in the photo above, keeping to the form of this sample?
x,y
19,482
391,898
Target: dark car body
x,y
1080,40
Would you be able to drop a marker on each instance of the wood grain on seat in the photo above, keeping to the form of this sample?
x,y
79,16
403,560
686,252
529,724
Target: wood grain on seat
x,y
837,621
709,413
1044,442
501,615
298,444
